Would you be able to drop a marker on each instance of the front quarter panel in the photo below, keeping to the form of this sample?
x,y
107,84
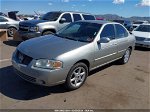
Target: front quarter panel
x,y
46,26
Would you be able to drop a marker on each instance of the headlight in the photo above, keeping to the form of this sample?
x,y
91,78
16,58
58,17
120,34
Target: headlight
x,y
34,29
48,64
147,39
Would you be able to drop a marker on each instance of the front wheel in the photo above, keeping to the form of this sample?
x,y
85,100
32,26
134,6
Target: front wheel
x,y
76,76
47,33
126,56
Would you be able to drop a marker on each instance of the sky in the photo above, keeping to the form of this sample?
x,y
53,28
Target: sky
x,y
125,8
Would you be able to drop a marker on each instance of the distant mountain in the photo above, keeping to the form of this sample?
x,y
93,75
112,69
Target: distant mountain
x,y
114,17
134,18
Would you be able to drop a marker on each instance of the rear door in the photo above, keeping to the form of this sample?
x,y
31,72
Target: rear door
x,y
3,23
77,17
122,39
88,17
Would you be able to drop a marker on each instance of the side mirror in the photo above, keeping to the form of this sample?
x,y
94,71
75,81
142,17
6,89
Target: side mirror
x,y
130,32
103,40
62,20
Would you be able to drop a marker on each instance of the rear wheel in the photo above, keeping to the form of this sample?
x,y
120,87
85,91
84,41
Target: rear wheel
x,y
11,31
76,76
125,57
47,32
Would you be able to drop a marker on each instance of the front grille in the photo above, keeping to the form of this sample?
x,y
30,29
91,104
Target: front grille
x,y
23,28
24,59
140,38
26,77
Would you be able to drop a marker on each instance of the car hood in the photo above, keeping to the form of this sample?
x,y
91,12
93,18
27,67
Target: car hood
x,y
141,34
32,22
48,47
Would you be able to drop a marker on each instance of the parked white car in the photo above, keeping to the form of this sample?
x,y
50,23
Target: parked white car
x,y
138,23
142,35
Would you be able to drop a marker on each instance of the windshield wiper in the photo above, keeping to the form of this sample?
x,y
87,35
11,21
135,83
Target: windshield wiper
x,y
43,18
84,41
70,38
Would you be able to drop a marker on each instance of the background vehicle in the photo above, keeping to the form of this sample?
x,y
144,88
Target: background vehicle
x,y
2,14
69,55
49,23
142,35
126,23
10,24
137,23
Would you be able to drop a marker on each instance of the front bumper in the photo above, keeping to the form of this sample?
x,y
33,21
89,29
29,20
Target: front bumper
x,y
22,35
40,76
143,44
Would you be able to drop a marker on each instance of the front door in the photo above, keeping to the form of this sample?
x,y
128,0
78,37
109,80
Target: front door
x,y
68,19
106,51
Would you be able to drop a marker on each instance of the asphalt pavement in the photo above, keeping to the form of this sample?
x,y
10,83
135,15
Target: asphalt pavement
x,y
113,86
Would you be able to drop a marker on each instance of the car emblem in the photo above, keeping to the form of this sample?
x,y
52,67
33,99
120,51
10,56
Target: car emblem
x,y
20,57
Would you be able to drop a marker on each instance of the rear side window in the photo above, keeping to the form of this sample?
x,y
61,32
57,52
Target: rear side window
x,y
121,31
67,17
108,31
77,17
88,17
3,19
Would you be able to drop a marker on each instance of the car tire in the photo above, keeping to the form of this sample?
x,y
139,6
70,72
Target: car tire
x,y
11,31
47,33
125,57
76,76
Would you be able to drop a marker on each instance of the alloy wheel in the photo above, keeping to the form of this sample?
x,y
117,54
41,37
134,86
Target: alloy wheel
x,y
78,76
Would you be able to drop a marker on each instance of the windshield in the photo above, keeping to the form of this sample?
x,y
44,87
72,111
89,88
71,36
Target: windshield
x,y
143,28
51,16
138,22
80,31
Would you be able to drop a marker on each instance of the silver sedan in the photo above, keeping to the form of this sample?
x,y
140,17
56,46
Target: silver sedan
x,y
69,55
10,24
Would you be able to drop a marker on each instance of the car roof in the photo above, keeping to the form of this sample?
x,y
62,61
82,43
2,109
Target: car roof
x,y
8,18
2,16
71,12
5,17
97,21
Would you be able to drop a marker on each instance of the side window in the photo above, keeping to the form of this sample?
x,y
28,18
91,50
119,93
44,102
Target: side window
x,y
108,31
121,32
77,17
67,17
3,19
88,17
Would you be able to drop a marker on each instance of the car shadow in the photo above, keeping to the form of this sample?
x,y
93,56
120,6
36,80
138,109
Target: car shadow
x,y
102,68
142,49
11,85
12,43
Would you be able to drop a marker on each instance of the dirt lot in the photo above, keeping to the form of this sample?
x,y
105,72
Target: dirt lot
x,y
110,87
